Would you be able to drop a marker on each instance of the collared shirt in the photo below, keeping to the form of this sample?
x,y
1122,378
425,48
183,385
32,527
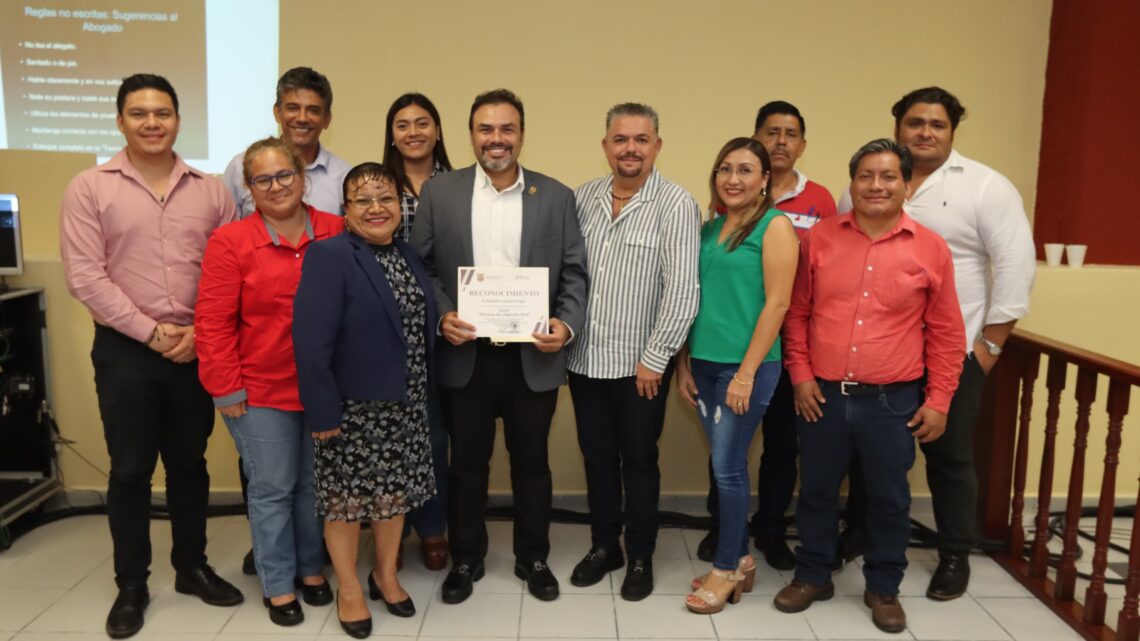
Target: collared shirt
x,y
133,258
875,311
982,217
244,321
806,204
496,221
408,204
324,183
644,286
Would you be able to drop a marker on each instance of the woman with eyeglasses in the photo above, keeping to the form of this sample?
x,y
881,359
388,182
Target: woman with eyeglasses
x,y
413,153
244,338
729,367
363,331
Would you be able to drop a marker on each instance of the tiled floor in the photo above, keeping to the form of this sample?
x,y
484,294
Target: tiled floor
x,y
56,584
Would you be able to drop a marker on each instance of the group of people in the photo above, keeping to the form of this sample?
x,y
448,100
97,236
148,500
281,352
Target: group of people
x,y
314,305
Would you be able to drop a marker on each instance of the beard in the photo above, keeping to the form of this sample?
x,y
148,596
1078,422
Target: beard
x,y
626,172
496,164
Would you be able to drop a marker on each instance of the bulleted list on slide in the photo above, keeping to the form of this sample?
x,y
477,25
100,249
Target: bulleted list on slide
x,y
62,62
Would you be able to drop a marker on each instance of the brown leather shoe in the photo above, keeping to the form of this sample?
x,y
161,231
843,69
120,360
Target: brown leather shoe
x,y
797,595
434,549
886,611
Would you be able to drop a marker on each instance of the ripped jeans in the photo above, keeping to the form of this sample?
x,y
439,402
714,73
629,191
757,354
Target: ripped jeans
x,y
729,436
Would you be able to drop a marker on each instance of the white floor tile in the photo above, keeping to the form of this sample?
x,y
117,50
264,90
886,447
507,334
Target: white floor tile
x,y
482,615
577,615
569,540
845,617
79,611
1026,619
960,619
661,617
754,617
64,636
671,576
988,579
20,606
671,545
171,612
692,539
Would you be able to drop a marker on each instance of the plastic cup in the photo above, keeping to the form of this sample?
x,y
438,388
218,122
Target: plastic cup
x,y
1053,253
1076,254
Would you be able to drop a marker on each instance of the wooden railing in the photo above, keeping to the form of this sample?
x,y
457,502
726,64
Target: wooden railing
x,y
1002,455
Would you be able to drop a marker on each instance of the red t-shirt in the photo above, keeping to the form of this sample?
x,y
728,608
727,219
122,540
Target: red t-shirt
x,y
875,311
807,208
244,316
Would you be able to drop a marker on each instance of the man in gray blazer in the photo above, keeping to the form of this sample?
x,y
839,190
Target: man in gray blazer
x,y
496,214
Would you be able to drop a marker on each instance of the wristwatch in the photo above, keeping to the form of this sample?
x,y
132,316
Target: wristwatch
x,y
993,348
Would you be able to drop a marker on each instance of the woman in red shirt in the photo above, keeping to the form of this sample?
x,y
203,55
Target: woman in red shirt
x,y
244,324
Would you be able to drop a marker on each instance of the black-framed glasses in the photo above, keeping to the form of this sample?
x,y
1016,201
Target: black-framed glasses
x,y
283,178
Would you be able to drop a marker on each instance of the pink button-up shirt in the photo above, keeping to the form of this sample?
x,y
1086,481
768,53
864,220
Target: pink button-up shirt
x,y
133,259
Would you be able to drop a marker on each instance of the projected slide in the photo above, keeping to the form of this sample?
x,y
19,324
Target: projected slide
x,y
61,63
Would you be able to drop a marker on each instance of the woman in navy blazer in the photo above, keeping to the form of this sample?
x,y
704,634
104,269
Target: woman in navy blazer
x,y
363,329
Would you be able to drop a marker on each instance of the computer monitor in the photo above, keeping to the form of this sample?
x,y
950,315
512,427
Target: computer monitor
x,y
11,253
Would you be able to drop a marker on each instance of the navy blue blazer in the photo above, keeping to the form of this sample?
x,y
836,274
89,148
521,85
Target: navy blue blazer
x,y
347,334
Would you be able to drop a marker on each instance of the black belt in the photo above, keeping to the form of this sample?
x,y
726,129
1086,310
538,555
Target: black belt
x,y
851,388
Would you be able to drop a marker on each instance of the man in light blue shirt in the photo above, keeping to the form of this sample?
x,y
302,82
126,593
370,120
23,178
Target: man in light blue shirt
x,y
304,110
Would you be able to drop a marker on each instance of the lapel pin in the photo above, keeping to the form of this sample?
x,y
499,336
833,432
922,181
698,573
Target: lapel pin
x,y
532,191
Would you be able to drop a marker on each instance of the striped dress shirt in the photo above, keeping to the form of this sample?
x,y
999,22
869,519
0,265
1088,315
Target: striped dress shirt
x,y
644,282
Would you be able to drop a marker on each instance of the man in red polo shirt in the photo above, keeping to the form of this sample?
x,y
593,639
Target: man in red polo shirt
x,y
873,344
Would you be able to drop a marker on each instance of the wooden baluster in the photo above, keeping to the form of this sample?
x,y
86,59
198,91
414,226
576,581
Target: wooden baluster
x,y
1128,623
1095,598
1055,383
1016,527
1067,572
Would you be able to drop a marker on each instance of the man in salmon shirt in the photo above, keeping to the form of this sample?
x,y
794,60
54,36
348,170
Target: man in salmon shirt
x,y
781,129
132,233
872,341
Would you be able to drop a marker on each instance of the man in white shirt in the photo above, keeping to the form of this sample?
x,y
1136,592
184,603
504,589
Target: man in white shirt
x,y
304,110
642,244
498,214
982,218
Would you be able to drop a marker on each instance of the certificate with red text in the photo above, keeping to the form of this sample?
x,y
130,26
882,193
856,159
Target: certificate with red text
x,y
505,304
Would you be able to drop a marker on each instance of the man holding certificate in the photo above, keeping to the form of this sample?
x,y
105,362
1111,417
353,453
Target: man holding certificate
x,y
642,242
507,234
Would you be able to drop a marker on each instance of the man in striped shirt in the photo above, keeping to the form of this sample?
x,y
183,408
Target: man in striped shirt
x,y
642,241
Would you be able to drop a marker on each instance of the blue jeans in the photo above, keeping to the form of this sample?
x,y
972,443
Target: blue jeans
x,y
277,455
430,519
874,427
729,436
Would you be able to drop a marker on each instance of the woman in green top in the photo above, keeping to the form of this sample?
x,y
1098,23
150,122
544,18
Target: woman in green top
x,y
731,363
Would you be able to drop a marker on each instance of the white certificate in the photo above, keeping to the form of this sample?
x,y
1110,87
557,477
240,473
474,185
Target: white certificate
x,y
505,304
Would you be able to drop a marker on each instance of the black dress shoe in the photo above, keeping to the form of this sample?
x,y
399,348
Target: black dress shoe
x,y
638,582
776,552
314,594
361,629
126,616
539,579
208,586
460,581
286,614
951,577
594,567
248,567
404,608
706,550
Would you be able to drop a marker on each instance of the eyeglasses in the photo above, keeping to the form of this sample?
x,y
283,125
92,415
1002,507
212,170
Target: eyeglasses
x,y
265,183
383,202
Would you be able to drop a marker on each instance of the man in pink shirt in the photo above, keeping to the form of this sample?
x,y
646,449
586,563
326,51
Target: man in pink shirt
x,y
873,345
132,234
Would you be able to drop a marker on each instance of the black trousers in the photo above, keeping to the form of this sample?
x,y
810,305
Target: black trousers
x,y
152,407
618,432
776,480
498,389
949,469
